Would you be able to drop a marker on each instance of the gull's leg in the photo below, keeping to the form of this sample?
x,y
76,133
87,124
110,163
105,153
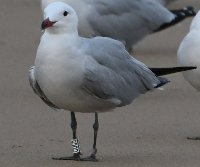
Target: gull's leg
x,y
92,157
75,142
73,125
96,128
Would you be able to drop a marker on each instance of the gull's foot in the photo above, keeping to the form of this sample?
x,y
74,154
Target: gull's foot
x,y
77,157
194,138
91,158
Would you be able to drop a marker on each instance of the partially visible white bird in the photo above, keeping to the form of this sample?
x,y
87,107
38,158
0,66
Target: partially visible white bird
x,y
189,54
125,20
86,74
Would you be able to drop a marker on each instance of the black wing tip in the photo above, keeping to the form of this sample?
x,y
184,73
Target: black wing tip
x,y
184,68
171,70
189,11
181,14
189,67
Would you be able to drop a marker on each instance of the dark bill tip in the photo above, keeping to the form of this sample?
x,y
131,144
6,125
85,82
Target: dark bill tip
x,y
47,23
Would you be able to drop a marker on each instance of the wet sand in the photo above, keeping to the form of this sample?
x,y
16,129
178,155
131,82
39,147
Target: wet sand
x,y
151,132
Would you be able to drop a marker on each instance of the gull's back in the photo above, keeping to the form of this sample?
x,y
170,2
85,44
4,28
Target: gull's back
x,y
112,73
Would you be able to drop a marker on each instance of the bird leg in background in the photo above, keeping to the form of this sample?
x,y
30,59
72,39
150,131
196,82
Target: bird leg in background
x,y
194,138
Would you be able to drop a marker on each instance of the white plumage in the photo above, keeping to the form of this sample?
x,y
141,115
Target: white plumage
x,y
189,53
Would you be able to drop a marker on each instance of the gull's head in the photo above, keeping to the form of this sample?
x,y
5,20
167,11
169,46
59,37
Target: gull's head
x,y
60,18
195,25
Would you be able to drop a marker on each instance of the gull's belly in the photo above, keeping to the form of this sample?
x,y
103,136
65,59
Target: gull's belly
x,y
61,81
62,85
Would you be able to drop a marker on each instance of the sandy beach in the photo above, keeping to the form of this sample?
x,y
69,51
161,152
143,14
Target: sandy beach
x,y
151,132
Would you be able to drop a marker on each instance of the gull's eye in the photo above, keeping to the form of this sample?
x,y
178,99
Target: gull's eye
x,y
65,13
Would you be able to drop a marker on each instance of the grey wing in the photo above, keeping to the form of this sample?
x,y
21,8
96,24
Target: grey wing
x,y
111,73
128,20
36,88
165,2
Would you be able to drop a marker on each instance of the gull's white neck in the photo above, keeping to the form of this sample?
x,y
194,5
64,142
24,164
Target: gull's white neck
x,y
68,32
57,42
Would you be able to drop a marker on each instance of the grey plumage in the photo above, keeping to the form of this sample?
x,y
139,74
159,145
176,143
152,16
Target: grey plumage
x,y
165,2
128,21
113,73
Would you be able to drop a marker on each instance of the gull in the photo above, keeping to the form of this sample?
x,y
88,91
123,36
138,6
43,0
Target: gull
x,y
87,75
126,20
188,54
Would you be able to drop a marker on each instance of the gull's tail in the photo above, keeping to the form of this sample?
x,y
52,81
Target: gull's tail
x,y
180,15
170,70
